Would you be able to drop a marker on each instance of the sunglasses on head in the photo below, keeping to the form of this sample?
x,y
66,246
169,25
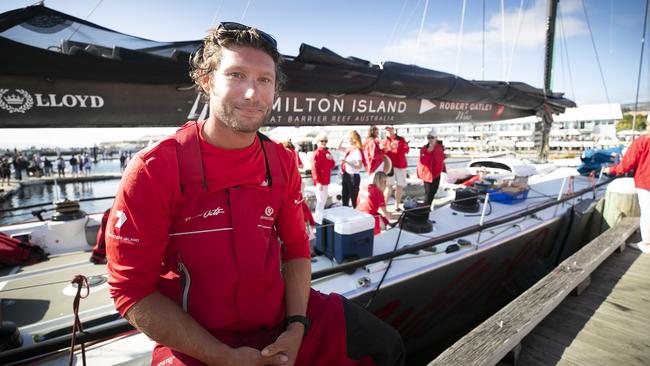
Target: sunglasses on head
x,y
232,26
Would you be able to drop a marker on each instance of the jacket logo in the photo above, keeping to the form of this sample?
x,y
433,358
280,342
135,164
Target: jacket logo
x,y
268,211
214,212
18,102
121,218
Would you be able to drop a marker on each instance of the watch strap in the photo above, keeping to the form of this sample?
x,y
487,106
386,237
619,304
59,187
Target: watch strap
x,y
298,319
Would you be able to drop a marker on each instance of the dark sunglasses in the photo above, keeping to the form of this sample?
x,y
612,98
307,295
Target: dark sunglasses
x,y
323,140
431,137
232,26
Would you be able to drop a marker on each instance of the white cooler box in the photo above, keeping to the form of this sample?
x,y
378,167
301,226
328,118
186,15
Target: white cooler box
x,y
345,233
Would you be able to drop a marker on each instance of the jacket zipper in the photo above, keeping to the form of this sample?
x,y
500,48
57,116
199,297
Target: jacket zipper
x,y
186,282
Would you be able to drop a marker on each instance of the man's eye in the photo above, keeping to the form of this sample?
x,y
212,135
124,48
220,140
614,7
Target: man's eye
x,y
236,75
266,80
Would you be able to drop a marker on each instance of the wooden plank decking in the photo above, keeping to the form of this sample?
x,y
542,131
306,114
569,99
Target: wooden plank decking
x,y
609,324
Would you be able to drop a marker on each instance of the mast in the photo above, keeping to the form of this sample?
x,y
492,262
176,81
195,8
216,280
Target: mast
x,y
547,116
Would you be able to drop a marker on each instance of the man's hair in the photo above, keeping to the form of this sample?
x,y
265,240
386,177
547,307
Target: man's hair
x,y
207,59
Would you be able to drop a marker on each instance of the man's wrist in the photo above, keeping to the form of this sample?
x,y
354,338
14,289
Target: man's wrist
x,y
298,320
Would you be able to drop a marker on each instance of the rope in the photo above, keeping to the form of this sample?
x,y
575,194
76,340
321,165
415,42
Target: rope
x,y
503,40
245,11
460,37
638,79
86,18
82,282
417,43
392,33
593,44
520,21
566,54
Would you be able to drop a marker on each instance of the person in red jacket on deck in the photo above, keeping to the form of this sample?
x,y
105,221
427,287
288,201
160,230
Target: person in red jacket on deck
x,y
207,251
321,170
371,200
430,165
373,153
637,158
396,148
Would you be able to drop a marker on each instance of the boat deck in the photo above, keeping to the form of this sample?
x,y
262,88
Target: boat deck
x,y
606,325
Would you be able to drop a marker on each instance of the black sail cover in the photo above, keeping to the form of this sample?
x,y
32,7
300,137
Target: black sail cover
x,y
60,71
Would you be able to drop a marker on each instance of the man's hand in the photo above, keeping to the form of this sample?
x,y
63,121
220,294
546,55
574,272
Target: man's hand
x,y
246,356
286,345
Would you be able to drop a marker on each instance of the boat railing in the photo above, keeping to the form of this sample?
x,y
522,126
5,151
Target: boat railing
x,y
500,335
458,234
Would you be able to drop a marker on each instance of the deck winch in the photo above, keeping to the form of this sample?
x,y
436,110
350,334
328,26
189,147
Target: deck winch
x,y
67,210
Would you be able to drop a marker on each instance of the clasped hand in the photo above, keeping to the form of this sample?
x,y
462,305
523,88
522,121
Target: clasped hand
x,y
281,352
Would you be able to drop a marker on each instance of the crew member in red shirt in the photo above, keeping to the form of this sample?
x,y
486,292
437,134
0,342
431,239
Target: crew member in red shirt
x,y
321,170
371,200
373,153
430,165
207,251
396,148
637,158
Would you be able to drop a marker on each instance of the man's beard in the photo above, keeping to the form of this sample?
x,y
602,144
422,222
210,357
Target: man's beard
x,y
226,114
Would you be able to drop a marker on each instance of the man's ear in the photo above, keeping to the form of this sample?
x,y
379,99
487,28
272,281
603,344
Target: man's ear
x,y
206,84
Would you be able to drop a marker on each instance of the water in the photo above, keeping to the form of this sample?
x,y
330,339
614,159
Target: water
x,y
42,193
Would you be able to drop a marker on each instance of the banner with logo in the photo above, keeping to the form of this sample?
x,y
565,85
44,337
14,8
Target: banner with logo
x,y
27,102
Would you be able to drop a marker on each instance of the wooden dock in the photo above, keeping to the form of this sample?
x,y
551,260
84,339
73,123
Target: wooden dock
x,y
607,324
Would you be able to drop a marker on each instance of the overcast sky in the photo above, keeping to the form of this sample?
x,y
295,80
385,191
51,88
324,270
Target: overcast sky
x,y
378,30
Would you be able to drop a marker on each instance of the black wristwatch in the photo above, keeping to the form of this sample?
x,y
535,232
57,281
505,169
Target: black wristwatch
x,y
298,319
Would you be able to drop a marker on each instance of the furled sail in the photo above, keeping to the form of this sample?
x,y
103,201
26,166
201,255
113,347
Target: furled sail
x,y
60,71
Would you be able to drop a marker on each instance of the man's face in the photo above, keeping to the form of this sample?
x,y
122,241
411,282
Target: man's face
x,y
242,88
391,131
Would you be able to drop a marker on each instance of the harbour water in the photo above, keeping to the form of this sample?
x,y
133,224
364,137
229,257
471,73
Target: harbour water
x,y
45,194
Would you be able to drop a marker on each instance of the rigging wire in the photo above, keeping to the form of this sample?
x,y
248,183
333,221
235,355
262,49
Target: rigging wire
x,y
460,37
392,33
86,18
245,11
216,14
638,79
483,46
593,44
503,40
417,43
566,53
520,21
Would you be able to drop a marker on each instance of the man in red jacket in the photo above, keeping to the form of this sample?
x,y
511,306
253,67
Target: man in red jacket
x,y
637,158
396,148
207,251
430,165
322,164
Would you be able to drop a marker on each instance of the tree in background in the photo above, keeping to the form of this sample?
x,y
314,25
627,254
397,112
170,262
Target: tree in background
x,y
626,122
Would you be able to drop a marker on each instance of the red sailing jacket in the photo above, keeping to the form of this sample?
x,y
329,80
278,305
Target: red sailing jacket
x,y
636,157
397,155
370,201
321,166
431,163
217,240
373,153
